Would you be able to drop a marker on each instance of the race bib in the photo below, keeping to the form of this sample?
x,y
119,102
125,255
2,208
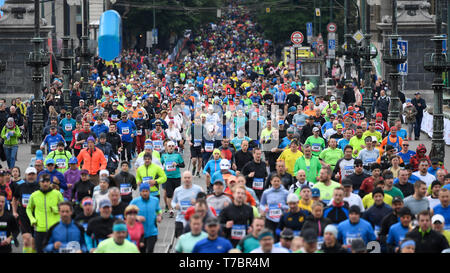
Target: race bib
x,y
209,147
60,163
139,132
70,247
85,145
125,189
147,179
197,142
68,127
319,242
351,237
114,117
157,145
3,236
348,170
53,146
370,160
107,158
377,230
184,205
125,131
25,199
274,211
238,232
315,147
218,212
258,183
170,167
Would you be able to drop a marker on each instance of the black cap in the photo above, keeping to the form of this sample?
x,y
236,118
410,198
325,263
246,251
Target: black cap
x,y
309,235
347,182
435,182
397,199
377,190
60,144
389,147
357,162
287,233
354,209
404,211
212,221
358,245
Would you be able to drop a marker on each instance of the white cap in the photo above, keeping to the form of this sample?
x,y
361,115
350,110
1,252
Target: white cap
x,y
134,104
292,198
31,170
374,139
438,217
331,229
225,164
170,143
102,172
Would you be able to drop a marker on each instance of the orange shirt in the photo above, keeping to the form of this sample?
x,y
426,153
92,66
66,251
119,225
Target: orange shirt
x,y
392,140
250,200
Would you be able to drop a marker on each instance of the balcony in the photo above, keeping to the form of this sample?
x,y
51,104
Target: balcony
x,y
393,59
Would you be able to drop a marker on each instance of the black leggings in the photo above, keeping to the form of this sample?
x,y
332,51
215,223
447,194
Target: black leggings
x,y
128,146
39,238
178,229
149,244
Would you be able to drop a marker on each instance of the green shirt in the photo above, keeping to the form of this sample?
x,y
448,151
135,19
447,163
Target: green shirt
x,y
317,145
152,172
395,192
187,241
375,134
312,169
167,160
110,246
356,143
326,192
331,156
248,244
61,160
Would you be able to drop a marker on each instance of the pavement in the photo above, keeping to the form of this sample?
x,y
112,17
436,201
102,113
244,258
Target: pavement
x,y
167,226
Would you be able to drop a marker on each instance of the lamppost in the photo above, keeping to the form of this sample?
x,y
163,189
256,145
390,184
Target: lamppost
x,y
393,57
437,62
65,54
367,54
347,52
85,54
37,59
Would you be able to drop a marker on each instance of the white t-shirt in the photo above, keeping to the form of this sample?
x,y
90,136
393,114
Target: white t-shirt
x,y
353,199
428,178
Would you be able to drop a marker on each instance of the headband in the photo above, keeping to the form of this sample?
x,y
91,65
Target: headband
x,y
264,234
120,227
409,243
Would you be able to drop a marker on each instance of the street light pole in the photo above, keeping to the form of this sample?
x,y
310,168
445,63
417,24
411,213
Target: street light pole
x,y
37,59
65,56
437,62
85,55
367,54
347,35
393,57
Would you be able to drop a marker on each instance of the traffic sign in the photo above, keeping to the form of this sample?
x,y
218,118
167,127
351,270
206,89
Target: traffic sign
x,y
297,37
318,12
331,27
309,31
358,36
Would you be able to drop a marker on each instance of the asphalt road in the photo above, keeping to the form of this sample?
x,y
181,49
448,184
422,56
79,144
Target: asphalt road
x,y
167,226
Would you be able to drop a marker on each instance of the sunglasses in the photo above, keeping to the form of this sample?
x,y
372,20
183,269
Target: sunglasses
x,y
405,145
132,212
359,165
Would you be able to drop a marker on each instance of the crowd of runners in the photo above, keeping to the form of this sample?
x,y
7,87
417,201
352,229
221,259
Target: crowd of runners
x,y
285,169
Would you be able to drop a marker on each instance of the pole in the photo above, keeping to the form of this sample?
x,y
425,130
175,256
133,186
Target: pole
x,y
295,61
84,68
331,10
154,15
320,18
314,23
437,141
367,65
66,58
347,61
394,106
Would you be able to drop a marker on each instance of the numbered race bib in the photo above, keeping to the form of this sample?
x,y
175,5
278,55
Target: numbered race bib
x,y
258,183
274,211
197,142
139,132
114,117
25,199
147,179
370,160
351,237
157,145
218,212
348,170
3,234
209,147
315,147
184,205
238,232
170,167
85,145
53,146
68,127
60,163
125,131
125,189
319,242
70,247
377,231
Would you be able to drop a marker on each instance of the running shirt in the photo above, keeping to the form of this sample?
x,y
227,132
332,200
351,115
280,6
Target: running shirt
x,y
317,145
326,192
331,156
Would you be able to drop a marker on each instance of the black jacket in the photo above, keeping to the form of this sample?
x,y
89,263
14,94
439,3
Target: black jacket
x,y
260,172
349,96
125,178
114,140
407,189
313,223
241,158
431,242
423,106
286,179
336,214
337,248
